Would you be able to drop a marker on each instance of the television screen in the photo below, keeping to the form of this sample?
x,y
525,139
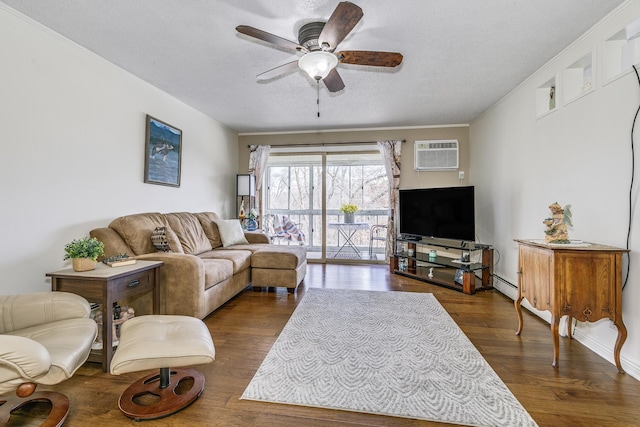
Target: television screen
x,y
446,213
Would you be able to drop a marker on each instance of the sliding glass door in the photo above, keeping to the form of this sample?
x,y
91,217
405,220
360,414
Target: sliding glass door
x,y
356,179
293,184
306,191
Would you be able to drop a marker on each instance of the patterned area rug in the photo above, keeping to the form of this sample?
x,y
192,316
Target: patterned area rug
x,y
387,353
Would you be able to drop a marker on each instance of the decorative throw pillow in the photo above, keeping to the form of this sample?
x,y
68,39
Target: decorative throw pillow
x,y
231,232
160,240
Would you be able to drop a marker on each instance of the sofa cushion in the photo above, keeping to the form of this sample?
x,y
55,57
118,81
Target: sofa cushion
x,y
256,237
241,259
189,232
279,257
208,223
216,271
248,247
231,232
136,231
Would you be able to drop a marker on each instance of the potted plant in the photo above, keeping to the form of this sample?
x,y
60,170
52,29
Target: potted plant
x,y
84,253
349,211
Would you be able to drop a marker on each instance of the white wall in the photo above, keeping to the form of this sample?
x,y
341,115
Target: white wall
x,y
72,132
579,155
409,178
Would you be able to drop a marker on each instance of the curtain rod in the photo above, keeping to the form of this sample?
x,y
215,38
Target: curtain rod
x,y
322,144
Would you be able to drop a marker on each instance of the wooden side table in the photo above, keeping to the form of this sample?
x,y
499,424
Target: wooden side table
x,y
106,285
578,280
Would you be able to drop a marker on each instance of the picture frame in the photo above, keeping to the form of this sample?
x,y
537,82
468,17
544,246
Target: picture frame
x,y
163,153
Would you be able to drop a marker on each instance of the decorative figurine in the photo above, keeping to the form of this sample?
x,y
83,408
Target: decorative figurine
x,y
556,231
241,213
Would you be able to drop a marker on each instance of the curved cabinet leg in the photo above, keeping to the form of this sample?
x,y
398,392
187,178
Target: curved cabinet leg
x,y
519,313
622,337
555,321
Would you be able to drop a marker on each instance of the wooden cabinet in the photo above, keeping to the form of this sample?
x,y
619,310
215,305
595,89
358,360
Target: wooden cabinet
x,y
582,281
439,261
106,285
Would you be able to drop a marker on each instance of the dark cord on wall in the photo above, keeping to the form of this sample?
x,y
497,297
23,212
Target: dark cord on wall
x,y
497,257
496,260
633,168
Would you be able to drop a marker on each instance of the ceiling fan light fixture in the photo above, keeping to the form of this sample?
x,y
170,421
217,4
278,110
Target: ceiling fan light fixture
x,y
318,64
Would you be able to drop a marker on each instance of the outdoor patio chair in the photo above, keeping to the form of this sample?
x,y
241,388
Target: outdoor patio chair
x,y
378,232
283,228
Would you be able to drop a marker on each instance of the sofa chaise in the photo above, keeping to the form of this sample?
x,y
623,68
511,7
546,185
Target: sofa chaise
x,y
207,260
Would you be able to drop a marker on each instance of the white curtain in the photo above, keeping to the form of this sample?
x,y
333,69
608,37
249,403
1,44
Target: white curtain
x,y
258,156
391,155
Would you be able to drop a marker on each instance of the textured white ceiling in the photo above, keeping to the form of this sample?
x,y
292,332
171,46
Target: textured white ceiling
x,y
460,56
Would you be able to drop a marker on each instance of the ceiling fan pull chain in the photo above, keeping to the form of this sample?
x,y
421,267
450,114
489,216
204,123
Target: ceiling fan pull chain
x,y
318,98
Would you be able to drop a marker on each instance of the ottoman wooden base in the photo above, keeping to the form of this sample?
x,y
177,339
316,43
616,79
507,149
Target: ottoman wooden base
x,y
59,407
165,401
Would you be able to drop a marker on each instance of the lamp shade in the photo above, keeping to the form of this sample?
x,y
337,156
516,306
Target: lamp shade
x,y
246,185
318,64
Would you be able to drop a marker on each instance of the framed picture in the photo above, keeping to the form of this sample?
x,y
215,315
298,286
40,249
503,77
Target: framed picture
x,y
163,153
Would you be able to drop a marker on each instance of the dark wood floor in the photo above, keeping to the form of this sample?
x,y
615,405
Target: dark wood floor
x,y
586,390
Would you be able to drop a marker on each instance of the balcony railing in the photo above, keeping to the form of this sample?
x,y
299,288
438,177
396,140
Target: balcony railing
x,y
310,223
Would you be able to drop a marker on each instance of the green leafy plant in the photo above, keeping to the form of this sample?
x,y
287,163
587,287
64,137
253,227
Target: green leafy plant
x,y
84,247
348,208
253,214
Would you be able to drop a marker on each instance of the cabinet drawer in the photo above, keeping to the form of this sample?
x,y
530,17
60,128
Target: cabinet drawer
x,y
132,285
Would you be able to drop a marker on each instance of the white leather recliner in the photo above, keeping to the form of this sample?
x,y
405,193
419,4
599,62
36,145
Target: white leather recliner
x,y
44,338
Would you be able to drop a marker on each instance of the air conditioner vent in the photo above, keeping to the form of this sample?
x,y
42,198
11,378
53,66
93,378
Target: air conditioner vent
x,y
436,155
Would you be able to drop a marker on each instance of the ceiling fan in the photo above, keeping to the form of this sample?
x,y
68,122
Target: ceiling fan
x,y
318,41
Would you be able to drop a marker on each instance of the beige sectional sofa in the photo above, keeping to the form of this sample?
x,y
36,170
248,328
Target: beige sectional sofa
x,y
202,268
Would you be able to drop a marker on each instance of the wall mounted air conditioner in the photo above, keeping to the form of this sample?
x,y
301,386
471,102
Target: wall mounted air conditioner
x,y
436,155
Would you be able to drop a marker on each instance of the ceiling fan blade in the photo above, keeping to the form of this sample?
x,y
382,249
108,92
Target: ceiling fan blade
x,y
341,22
278,71
333,81
270,38
370,57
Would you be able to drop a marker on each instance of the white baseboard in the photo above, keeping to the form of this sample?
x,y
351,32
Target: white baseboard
x,y
631,367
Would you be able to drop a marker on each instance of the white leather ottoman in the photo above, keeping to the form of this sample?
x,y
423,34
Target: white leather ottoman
x,y
161,342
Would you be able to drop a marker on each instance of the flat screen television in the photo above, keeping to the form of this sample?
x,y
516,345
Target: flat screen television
x,y
446,213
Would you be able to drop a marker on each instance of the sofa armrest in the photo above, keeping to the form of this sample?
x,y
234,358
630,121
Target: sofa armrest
x,y
256,237
113,243
27,357
181,283
21,359
26,310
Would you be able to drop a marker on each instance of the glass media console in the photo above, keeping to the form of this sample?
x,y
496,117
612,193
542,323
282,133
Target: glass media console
x,y
453,264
